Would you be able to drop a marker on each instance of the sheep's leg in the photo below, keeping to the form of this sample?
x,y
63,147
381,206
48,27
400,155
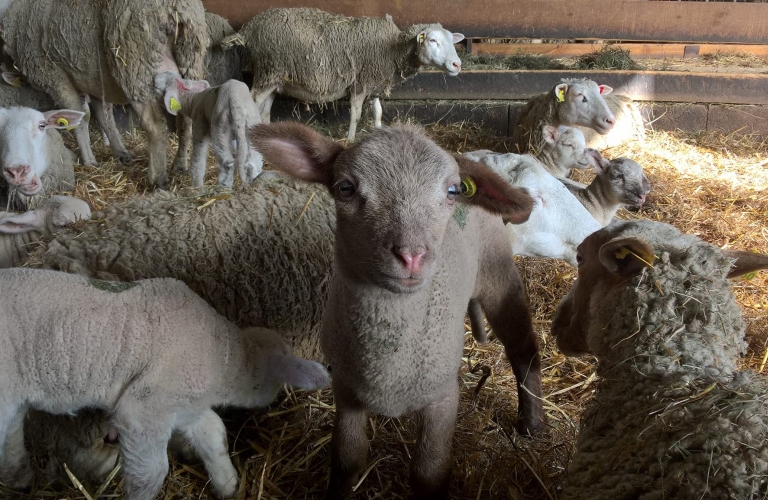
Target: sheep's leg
x,y
184,135
355,111
376,107
222,150
208,436
201,140
105,117
349,444
67,96
263,99
15,469
153,121
431,462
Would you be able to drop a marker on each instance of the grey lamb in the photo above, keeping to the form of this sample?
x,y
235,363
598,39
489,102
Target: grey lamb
x,y
411,252
672,416
111,50
316,56
169,358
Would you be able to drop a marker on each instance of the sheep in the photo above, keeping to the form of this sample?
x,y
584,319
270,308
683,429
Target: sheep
x,y
571,102
19,231
558,221
565,148
672,416
410,254
619,182
32,154
629,124
168,355
223,113
317,56
112,50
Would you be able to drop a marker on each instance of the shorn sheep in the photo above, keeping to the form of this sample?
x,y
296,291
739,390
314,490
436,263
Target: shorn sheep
x,y
571,102
19,231
169,358
672,416
316,56
112,50
411,252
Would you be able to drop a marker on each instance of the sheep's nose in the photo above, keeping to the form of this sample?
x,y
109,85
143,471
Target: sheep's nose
x,y
457,65
411,260
610,120
19,173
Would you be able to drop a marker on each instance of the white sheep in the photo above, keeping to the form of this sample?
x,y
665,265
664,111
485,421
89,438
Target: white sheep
x,y
222,114
672,415
19,231
564,148
169,358
619,183
629,124
411,251
316,56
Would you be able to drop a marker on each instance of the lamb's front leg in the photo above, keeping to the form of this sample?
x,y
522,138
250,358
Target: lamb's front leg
x,y
349,444
355,112
431,465
200,144
222,150
15,470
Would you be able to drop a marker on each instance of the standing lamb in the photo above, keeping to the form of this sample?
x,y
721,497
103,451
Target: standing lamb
x,y
672,416
411,252
19,231
572,102
168,363
629,124
112,50
316,56
222,113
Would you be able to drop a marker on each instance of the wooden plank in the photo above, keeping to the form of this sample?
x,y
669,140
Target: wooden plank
x,y
637,50
667,86
713,22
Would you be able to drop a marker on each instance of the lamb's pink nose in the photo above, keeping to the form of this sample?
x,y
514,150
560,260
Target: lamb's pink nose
x,y
412,261
610,120
18,173
457,66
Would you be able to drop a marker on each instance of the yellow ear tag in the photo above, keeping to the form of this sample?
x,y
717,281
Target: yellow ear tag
x,y
622,253
468,187
62,122
560,95
175,105
421,38
17,82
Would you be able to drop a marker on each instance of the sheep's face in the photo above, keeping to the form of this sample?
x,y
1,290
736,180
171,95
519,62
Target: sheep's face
x,y
569,148
434,48
627,181
582,103
23,143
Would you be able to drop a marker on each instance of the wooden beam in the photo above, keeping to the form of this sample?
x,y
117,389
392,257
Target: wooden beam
x,y
637,50
714,22
669,86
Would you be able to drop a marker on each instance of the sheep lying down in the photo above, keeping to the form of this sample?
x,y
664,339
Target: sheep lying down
x,y
168,357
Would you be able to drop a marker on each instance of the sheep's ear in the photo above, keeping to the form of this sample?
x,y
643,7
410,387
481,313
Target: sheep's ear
x,y
605,89
63,118
560,91
22,223
550,133
457,37
297,150
171,95
626,256
301,373
487,189
746,262
599,164
13,78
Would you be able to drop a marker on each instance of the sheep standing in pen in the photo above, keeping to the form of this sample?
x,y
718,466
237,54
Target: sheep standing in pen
x,y
572,102
112,50
19,231
316,56
169,358
220,115
672,416
411,252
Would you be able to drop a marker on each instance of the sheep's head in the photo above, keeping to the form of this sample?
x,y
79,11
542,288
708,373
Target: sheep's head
x,y
568,147
624,178
582,102
396,192
434,49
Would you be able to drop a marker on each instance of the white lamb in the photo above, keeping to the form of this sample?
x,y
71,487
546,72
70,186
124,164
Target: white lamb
x,y
168,357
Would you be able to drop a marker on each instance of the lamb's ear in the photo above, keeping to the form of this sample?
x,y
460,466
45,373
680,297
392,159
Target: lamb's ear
x,y
599,164
487,189
626,256
63,118
297,150
33,220
550,133
746,262
605,89
560,91
457,37
300,373
13,78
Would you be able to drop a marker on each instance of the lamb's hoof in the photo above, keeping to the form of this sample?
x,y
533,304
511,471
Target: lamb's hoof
x,y
124,158
180,166
162,184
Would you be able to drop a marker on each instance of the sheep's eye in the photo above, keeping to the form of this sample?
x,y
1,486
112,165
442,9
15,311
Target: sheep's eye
x,y
432,40
579,258
346,189
454,190
568,145
41,125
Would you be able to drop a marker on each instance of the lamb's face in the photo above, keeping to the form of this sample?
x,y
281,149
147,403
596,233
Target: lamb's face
x,y
569,146
435,49
583,103
627,180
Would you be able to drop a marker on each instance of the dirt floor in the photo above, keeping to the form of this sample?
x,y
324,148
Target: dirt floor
x,y
710,185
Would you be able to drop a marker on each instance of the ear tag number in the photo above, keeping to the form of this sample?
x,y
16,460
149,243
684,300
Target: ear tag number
x,y
560,95
421,38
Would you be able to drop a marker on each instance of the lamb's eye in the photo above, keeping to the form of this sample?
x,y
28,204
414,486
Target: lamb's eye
x,y
41,125
346,189
453,191
579,258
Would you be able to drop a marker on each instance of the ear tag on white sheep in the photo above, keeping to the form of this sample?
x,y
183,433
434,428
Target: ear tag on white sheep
x,y
421,38
174,104
468,187
622,253
63,122
560,95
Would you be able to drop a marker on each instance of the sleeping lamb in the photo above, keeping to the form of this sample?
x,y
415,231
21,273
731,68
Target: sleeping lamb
x,y
169,358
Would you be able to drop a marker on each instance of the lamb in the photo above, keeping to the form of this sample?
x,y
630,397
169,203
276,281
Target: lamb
x,y
33,156
223,113
410,254
619,182
571,102
112,50
19,231
317,56
558,222
629,125
672,416
565,148
169,363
